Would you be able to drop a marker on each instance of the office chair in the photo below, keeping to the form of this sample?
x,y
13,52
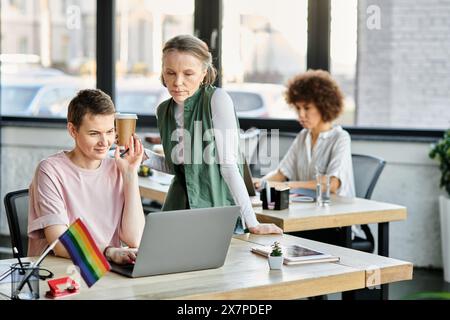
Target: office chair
x,y
263,154
366,171
248,143
16,205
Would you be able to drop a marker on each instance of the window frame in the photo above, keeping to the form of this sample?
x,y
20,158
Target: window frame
x,y
318,56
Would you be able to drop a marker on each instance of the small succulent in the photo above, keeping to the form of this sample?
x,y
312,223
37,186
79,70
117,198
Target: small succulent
x,y
276,249
144,171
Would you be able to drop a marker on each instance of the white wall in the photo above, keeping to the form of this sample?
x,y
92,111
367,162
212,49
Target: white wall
x,y
403,66
21,150
409,179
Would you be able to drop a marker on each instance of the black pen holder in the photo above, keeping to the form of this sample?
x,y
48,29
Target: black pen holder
x,y
30,289
279,199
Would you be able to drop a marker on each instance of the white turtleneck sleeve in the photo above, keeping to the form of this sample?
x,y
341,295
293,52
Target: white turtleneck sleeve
x,y
226,136
155,161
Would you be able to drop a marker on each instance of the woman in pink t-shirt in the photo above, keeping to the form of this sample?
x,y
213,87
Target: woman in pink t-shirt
x,y
85,183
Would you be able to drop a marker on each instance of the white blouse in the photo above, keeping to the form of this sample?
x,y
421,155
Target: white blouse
x,y
331,155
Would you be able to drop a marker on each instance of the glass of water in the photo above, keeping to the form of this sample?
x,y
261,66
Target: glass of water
x,y
323,189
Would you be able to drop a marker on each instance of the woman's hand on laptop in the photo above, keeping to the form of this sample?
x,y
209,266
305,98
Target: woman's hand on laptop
x,y
266,228
121,255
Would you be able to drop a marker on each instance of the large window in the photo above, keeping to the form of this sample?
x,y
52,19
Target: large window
x,y
142,29
391,63
403,64
343,43
263,45
47,55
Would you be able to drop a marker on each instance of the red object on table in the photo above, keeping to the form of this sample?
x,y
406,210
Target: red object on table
x,y
62,287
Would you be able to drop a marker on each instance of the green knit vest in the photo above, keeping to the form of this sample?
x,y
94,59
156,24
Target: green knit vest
x,y
204,184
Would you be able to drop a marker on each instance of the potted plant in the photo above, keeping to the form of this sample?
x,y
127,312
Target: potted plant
x,y
276,256
441,152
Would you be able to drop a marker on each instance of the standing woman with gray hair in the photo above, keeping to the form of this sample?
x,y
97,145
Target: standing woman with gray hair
x,y
200,136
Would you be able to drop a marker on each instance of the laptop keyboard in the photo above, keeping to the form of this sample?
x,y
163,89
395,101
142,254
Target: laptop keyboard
x,y
129,266
126,269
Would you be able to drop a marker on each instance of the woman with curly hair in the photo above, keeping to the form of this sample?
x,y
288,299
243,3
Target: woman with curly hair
x,y
320,146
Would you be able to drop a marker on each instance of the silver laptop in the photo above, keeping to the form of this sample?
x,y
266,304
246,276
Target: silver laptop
x,y
183,240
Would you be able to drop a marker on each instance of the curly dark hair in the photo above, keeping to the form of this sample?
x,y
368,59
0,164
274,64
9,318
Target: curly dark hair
x,y
319,88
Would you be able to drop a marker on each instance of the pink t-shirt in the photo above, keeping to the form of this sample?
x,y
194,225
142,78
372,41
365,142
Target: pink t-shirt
x,y
61,192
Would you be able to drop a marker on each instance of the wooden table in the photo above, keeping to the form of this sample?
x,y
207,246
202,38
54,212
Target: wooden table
x,y
246,276
343,212
340,213
378,269
307,216
151,189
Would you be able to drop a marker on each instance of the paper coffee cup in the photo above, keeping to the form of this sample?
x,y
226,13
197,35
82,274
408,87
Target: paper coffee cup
x,y
125,127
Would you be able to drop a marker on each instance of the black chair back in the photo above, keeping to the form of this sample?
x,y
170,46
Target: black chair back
x,y
262,156
366,171
16,205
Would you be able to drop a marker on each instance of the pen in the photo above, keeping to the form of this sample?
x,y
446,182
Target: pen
x,y
5,274
16,252
124,152
29,273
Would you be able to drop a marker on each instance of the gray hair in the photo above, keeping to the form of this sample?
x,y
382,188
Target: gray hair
x,y
196,47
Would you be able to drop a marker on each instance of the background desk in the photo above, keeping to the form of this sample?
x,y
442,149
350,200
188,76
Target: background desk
x,y
246,276
151,189
342,212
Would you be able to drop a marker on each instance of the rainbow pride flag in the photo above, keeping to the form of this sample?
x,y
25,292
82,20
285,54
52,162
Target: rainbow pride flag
x,y
84,252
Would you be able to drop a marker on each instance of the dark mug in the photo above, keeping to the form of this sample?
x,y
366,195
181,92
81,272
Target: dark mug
x,y
279,198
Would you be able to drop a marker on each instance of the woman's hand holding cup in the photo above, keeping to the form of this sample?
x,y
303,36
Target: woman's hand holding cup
x,y
131,158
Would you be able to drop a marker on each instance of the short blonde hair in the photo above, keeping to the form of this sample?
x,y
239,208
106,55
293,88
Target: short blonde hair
x,y
89,101
196,47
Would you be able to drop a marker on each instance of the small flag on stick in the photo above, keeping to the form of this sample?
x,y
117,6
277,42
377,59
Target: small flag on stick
x,y
84,252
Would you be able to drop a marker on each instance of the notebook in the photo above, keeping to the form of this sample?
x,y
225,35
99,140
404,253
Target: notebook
x,y
296,254
304,192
